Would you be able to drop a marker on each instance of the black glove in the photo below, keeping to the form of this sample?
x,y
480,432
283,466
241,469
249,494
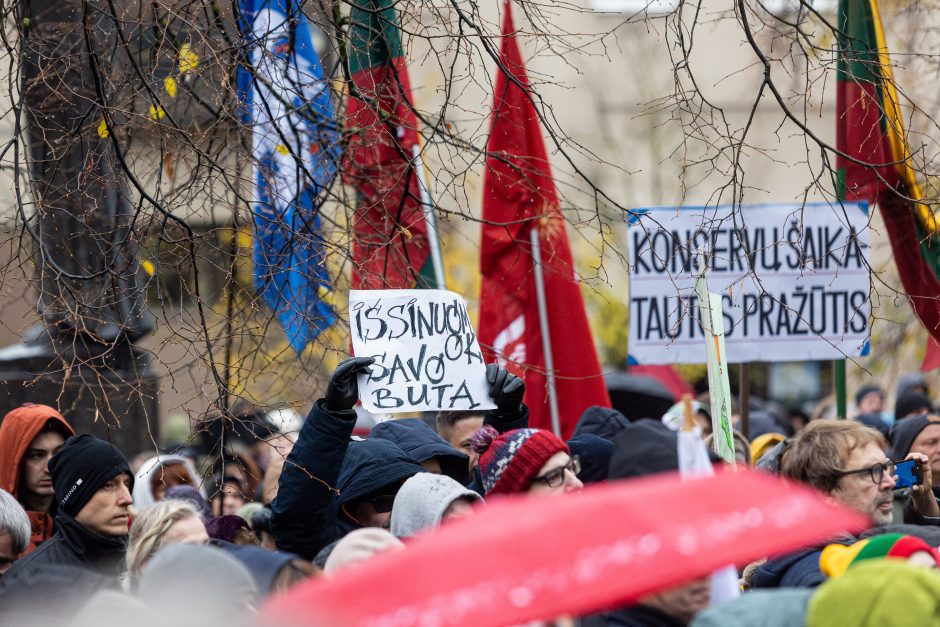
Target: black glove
x,y
343,389
506,390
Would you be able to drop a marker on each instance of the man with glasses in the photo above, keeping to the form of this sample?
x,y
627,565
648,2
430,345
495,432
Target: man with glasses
x,y
847,461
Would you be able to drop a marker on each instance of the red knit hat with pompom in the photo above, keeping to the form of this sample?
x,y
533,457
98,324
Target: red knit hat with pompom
x,y
509,462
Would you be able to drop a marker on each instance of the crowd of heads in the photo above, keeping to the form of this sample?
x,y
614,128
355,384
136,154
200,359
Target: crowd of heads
x,y
243,512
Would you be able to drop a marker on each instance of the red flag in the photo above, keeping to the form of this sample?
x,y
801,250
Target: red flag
x,y
390,246
931,355
519,195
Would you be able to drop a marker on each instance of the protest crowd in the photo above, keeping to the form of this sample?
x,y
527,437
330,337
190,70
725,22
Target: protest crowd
x,y
475,508
89,537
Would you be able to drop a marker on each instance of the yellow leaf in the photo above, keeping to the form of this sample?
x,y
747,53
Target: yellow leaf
x,y
281,148
244,238
188,59
326,295
169,84
103,131
148,266
157,113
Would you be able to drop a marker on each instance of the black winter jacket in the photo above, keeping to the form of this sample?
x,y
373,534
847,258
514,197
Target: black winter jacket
x,y
74,545
325,470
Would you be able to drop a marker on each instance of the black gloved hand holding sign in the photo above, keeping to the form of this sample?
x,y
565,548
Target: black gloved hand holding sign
x,y
506,390
343,389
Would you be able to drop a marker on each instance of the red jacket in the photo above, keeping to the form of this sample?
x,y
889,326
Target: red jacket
x,y
18,429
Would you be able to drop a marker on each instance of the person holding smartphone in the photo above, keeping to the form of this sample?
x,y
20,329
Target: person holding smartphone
x,y
919,435
848,462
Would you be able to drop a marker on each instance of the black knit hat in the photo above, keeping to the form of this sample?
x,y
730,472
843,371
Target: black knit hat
x,y
81,467
644,447
910,402
904,432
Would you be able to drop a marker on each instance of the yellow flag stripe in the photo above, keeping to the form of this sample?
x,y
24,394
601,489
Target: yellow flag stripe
x,y
900,152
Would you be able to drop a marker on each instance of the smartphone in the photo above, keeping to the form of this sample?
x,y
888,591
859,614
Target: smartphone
x,y
909,473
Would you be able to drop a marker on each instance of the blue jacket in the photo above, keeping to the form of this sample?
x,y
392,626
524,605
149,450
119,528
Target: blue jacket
x,y
421,442
325,470
796,570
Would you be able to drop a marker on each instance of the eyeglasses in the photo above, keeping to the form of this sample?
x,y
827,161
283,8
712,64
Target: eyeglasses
x,y
555,478
876,472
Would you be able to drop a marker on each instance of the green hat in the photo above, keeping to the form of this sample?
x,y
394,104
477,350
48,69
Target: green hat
x,y
877,593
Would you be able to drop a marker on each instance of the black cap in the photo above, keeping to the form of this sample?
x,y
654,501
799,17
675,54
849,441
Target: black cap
x,y
644,447
904,432
81,467
910,402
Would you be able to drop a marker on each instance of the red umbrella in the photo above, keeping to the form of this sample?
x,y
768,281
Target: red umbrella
x,y
522,559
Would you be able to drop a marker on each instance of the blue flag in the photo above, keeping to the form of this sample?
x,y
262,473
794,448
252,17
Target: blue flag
x,y
296,155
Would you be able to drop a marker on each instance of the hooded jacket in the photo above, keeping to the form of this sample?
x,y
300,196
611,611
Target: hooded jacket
x,y
601,421
902,436
422,501
19,428
143,483
326,470
263,565
194,585
421,442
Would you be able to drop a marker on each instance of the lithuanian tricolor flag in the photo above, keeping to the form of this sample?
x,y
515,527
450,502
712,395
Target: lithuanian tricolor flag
x,y
875,164
390,244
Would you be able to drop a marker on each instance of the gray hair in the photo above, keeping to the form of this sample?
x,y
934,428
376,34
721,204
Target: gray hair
x,y
13,520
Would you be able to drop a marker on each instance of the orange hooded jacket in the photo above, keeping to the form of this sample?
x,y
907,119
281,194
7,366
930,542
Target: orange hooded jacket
x,y
17,431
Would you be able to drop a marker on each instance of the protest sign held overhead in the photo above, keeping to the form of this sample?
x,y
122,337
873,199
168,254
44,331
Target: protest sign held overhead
x,y
719,386
794,281
427,357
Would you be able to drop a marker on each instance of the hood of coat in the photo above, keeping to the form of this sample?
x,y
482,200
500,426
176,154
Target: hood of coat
x,y
422,501
19,428
372,464
143,480
421,443
263,565
601,421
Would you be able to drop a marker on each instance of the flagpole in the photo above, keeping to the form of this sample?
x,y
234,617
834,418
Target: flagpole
x,y
433,241
546,333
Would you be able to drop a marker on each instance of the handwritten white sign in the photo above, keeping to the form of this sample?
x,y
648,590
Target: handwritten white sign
x,y
427,357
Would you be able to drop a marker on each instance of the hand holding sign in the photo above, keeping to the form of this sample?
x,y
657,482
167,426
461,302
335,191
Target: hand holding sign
x,y
343,389
426,353
506,390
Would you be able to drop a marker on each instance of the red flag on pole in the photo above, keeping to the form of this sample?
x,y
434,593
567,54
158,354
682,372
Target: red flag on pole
x,y
519,195
390,239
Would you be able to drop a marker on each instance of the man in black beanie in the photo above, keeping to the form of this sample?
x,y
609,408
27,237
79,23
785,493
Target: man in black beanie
x,y
918,434
93,484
